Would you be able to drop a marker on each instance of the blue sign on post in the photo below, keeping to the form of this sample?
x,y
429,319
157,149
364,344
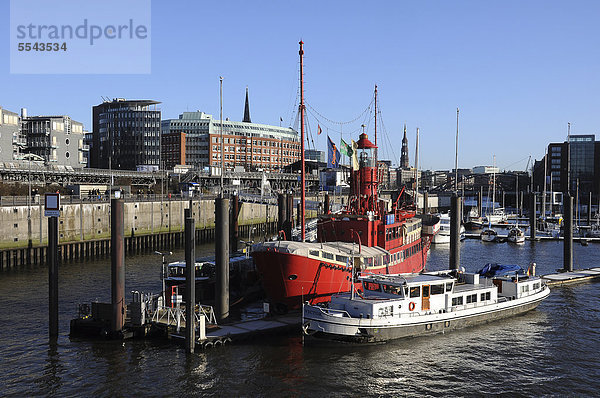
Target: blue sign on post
x,y
52,205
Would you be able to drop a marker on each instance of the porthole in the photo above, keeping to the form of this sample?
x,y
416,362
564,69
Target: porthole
x,y
67,154
67,142
293,277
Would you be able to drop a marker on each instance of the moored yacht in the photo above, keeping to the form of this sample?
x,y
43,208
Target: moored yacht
x,y
516,235
397,306
488,235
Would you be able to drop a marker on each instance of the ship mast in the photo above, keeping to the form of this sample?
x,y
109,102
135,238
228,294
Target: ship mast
x,y
302,171
376,158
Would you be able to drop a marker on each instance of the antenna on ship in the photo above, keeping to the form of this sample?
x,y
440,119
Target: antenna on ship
x,y
302,171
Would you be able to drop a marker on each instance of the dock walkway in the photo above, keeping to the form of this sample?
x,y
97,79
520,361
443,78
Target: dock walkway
x,y
250,328
576,276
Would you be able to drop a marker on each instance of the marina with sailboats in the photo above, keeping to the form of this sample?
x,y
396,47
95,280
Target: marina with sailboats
x,y
410,209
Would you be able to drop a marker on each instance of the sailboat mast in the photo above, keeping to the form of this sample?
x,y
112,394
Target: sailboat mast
x,y
417,172
302,170
544,195
517,198
494,184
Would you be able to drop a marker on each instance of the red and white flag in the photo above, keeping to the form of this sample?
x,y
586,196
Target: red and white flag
x,y
319,131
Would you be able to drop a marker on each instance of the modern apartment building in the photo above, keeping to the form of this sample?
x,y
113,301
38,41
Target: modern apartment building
x,y
126,134
55,139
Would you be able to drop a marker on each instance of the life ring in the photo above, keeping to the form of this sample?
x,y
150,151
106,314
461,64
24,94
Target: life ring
x,y
411,306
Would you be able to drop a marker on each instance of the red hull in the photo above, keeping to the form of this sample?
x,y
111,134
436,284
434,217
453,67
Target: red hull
x,y
288,278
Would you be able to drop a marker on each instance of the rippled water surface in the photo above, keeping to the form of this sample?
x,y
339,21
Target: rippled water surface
x,y
550,351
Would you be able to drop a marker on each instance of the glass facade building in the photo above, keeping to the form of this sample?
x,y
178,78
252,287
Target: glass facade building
x,y
126,134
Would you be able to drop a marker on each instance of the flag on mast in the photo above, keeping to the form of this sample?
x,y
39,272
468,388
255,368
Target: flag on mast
x,y
333,155
319,130
345,148
354,157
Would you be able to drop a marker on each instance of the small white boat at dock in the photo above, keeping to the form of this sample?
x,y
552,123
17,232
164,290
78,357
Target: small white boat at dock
x,y
516,235
403,305
488,235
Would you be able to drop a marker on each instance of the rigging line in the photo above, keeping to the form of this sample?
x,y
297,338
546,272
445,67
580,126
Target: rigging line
x,y
518,161
347,122
309,136
387,136
323,124
294,107
296,122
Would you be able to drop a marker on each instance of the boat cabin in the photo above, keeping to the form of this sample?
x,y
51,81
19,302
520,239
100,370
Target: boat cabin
x,y
176,270
419,294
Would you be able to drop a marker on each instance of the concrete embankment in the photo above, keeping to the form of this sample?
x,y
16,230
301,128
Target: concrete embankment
x,y
84,228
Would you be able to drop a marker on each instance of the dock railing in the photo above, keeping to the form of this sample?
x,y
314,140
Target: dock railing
x,y
176,316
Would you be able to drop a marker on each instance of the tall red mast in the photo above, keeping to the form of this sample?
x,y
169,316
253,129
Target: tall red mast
x,y
376,157
302,171
376,115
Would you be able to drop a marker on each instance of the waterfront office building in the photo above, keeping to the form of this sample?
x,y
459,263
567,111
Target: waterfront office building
x,y
585,166
125,135
56,139
11,140
252,146
314,154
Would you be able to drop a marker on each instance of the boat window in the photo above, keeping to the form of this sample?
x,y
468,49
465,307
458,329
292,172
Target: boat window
x,y
449,287
426,291
372,286
472,298
415,291
485,296
342,259
536,286
314,253
392,290
457,300
524,289
328,256
437,289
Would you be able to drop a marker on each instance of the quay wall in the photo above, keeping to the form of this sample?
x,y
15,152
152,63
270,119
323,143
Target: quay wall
x,y
84,228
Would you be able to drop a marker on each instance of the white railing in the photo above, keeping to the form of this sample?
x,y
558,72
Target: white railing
x,y
175,316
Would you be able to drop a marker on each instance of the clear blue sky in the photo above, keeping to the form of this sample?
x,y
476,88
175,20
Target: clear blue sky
x,y
518,70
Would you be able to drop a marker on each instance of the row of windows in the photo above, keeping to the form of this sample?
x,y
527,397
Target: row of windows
x,y
471,298
217,156
412,250
241,141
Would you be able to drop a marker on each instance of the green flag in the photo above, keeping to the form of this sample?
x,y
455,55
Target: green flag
x,y
345,148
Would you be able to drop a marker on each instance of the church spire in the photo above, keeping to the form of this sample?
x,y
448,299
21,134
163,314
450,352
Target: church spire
x,y
404,153
247,110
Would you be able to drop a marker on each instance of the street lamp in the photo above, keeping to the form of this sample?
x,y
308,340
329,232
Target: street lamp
x,y
29,156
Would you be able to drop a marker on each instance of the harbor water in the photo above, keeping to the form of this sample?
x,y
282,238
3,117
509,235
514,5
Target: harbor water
x,y
552,350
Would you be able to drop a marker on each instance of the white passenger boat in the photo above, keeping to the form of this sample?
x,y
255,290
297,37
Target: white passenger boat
x,y
403,305
516,235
